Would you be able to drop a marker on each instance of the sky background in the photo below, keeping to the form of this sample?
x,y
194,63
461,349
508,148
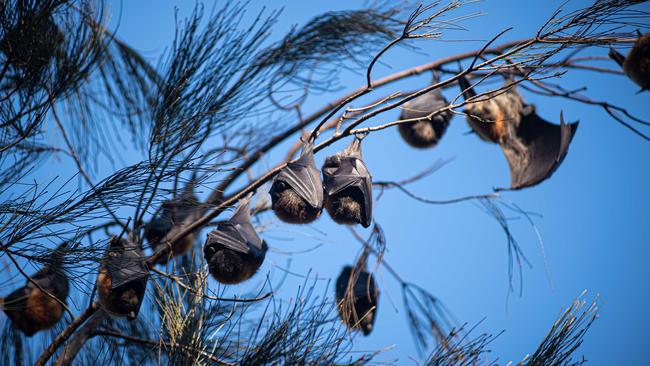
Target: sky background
x,y
594,220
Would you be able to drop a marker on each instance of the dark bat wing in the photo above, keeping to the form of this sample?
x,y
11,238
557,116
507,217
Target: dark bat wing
x,y
52,279
342,282
353,172
238,233
364,287
242,222
229,237
365,296
537,151
126,264
423,105
304,178
17,300
180,209
157,228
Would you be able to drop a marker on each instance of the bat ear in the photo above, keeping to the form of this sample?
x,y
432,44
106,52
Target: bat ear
x,y
188,191
528,109
466,88
435,76
114,242
58,253
616,56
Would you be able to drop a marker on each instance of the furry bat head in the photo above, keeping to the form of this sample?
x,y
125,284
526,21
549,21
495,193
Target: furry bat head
x,y
122,278
175,213
357,298
426,132
32,310
533,147
348,187
234,251
297,191
637,63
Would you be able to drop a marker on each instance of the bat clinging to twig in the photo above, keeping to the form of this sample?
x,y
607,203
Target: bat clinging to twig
x,y
175,214
32,310
637,63
122,278
426,132
234,251
297,191
348,186
357,296
534,147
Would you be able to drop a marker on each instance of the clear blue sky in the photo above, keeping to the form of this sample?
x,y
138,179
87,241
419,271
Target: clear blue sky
x,y
594,225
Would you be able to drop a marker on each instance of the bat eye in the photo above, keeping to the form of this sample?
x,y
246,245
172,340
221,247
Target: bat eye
x,y
282,186
209,251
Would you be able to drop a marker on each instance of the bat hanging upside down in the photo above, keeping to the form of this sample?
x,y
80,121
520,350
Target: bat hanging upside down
x,y
175,214
122,278
297,190
357,297
234,251
533,147
32,310
348,186
637,63
426,132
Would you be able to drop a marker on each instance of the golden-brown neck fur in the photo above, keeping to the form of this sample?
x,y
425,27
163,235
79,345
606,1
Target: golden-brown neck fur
x,y
497,117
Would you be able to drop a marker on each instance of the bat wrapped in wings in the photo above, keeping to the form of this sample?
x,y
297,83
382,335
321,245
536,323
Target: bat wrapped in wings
x,y
122,278
234,251
297,190
637,63
533,147
426,132
348,186
357,296
176,213
29,307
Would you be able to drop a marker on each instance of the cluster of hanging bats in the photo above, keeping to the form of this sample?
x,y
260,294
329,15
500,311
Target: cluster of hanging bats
x,y
533,147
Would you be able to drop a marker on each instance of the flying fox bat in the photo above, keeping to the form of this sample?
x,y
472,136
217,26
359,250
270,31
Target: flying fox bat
x,y
533,147
122,278
426,132
297,191
357,296
175,214
32,310
348,186
234,251
637,63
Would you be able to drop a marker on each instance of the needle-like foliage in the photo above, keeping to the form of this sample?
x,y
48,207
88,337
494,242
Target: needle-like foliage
x,y
225,93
